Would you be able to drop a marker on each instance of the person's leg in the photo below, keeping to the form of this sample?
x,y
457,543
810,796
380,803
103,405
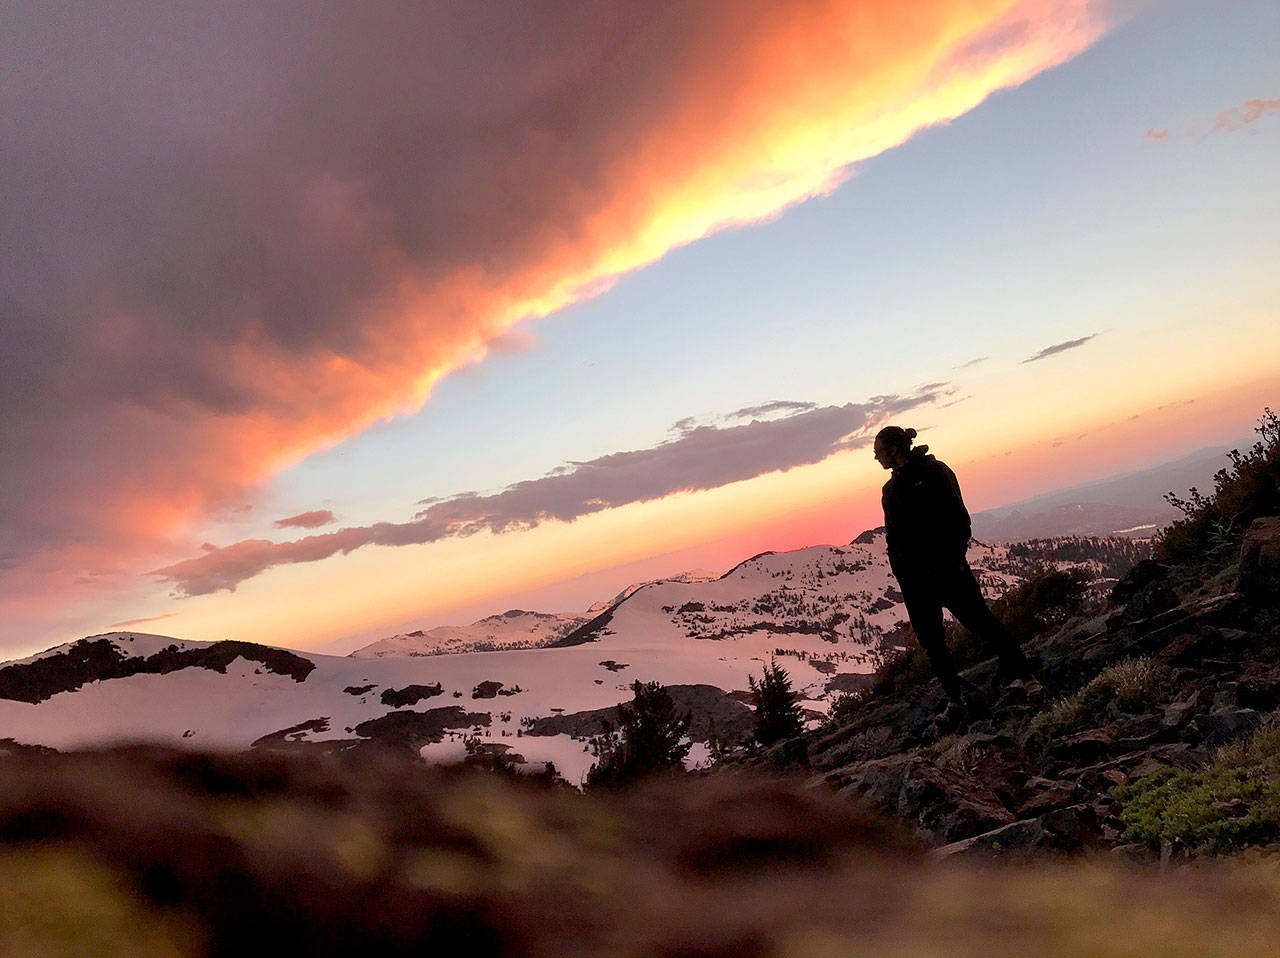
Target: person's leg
x,y
962,595
924,609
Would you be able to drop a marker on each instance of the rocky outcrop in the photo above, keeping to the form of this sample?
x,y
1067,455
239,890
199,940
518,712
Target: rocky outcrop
x,y
1260,561
99,659
715,713
1175,667
407,729
410,695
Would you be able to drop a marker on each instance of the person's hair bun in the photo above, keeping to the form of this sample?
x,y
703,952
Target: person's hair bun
x,y
911,433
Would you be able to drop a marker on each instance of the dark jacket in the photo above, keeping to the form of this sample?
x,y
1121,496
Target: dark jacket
x,y
926,523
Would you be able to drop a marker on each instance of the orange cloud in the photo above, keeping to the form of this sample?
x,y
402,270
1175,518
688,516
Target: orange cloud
x,y
280,245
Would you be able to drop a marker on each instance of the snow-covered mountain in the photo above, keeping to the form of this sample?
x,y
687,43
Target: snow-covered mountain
x,y
514,629
828,613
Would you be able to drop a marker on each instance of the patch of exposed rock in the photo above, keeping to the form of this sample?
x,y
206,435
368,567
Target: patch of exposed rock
x,y
714,713
96,660
410,695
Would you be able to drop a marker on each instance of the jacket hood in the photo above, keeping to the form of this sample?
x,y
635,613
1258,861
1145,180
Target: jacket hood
x,y
916,456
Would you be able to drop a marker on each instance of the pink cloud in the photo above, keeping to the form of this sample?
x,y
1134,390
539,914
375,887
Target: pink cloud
x,y
237,234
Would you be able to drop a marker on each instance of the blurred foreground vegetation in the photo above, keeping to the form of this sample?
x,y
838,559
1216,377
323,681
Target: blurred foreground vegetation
x,y
158,852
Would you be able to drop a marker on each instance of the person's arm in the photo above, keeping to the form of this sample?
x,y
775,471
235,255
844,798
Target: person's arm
x,y
957,527
891,522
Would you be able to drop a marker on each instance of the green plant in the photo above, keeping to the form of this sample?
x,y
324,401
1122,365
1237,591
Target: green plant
x,y
777,706
1248,489
1231,802
651,737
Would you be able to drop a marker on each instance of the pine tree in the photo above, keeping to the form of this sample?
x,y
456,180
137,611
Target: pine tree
x,y
651,737
777,706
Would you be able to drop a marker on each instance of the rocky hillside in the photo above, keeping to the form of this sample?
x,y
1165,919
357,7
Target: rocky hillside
x,y
1154,729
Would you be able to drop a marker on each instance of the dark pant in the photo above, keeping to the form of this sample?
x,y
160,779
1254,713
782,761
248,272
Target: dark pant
x,y
926,592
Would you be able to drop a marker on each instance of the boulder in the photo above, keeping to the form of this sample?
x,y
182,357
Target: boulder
x,y
1023,836
1144,592
1181,711
1067,827
1260,561
948,803
1223,725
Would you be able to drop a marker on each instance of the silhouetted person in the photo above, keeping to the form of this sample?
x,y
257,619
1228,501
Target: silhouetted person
x,y
927,531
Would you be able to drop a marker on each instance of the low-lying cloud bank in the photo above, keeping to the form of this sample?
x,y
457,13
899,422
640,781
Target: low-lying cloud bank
x,y
704,457
237,232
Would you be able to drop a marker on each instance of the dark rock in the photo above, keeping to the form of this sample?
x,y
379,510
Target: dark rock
x,y
98,659
849,682
358,690
1177,754
1144,592
949,803
1134,733
1115,776
486,690
1184,647
1221,726
1181,711
1260,561
410,695
1134,854
293,736
1083,745
1048,796
1023,836
412,730
1068,826
712,709
1224,697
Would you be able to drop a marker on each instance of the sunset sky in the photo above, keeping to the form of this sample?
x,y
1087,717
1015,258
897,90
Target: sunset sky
x,y
323,323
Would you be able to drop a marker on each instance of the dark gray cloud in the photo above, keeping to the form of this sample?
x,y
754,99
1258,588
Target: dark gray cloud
x,y
1059,348
306,520
973,362
705,457
234,230
771,407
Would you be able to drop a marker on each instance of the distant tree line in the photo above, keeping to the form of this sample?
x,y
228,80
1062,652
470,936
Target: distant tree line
x,y
1115,554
